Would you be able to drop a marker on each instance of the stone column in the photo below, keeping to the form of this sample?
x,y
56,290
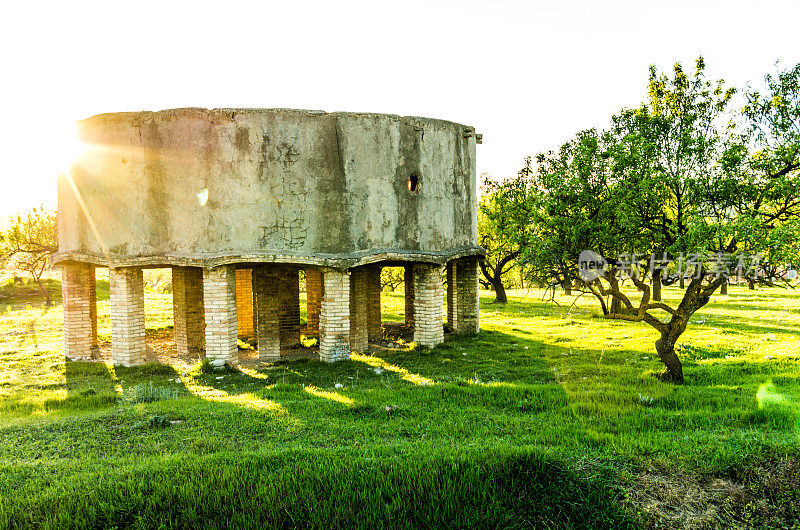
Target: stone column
x,y
79,302
334,318
127,316
428,294
359,336
408,288
313,300
466,299
219,296
267,309
187,309
245,317
289,299
374,303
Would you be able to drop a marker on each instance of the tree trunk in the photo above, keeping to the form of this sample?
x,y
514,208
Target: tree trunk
x,y
751,285
567,288
696,297
500,291
683,282
665,347
723,288
46,294
656,286
616,306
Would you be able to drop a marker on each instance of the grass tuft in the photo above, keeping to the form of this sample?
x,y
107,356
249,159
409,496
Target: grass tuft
x,y
147,393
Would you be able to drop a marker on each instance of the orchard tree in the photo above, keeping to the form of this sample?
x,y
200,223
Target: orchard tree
x,y
392,278
666,150
569,205
28,243
772,175
498,230
670,179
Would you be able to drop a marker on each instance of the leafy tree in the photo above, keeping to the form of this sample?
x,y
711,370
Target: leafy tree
x,y
28,243
392,278
772,172
671,178
569,206
498,231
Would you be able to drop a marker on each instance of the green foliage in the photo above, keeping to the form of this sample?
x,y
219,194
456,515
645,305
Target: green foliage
x,y
28,243
500,235
680,176
17,288
392,278
153,422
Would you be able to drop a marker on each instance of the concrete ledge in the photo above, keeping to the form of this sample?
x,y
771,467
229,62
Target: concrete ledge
x,y
335,261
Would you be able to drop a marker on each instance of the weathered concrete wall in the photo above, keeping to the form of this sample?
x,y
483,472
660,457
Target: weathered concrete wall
x,y
196,187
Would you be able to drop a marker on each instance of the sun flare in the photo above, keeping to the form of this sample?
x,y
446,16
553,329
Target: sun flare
x,y
64,147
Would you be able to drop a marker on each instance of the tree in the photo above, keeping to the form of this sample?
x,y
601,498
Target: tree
x,y
392,278
772,171
569,206
28,243
497,232
670,179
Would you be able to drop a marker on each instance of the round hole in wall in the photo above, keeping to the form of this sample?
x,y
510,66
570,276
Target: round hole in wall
x,y
413,183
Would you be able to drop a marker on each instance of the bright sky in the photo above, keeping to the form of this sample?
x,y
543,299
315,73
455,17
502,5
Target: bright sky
x,y
527,75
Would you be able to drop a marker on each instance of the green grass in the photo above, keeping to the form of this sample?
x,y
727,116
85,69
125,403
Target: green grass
x,y
550,417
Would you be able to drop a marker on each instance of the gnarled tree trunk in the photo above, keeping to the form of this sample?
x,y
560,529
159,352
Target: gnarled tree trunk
x,y
494,275
657,286
696,296
499,291
665,347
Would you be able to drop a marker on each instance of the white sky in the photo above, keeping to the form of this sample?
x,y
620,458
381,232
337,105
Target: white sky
x,y
527,75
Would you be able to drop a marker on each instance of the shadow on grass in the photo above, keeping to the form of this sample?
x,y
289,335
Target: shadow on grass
x,y
430,437
392,449
97,385
314,489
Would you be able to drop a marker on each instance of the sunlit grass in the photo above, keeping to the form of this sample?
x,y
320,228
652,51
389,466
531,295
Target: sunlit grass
x,y
541,376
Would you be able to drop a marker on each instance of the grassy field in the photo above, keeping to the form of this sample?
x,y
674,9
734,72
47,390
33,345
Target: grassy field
x,y
550,417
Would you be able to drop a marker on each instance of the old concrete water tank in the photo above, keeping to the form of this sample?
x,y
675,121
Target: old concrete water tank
x,y
238,201
187,186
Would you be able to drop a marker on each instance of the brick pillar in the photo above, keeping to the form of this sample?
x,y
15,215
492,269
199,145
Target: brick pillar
x,y
127,316
92,288
428,329
334,318
408,288
374,303
313,300
245,317
359,336
79,302
289,299
267,309
452,296
187,309
219,296
467,301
